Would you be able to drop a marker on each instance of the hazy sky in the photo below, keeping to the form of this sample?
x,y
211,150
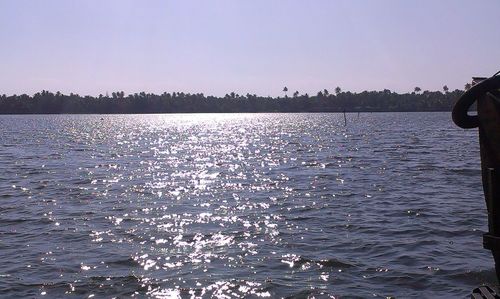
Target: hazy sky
x,y
256,46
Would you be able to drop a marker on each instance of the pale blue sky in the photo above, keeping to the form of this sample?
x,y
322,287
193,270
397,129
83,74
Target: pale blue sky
x,y
256,46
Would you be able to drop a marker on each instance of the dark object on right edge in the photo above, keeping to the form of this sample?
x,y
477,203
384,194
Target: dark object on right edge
x,y
475,93
487,95
484,292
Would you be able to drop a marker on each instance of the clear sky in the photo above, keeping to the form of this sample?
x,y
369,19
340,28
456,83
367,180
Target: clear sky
x,y
255,46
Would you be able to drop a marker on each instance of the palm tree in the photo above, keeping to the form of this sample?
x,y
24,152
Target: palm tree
x,y
285,89
445,89
417,89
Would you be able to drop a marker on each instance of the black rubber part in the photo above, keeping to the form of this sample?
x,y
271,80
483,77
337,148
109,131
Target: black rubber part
x,y
459,114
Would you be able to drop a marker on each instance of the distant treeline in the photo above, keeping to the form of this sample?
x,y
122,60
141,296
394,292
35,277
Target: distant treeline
x,y
178,102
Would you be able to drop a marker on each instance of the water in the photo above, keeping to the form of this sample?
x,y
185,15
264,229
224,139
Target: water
x,y
242,205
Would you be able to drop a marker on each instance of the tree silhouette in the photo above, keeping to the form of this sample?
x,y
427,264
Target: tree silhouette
x,y
285,89
467,86
417,89
178,102
445,89
338,90
325,92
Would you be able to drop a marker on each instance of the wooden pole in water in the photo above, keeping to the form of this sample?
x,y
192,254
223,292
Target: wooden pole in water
x,y
488,110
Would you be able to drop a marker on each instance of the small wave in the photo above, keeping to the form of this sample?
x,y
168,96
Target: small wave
x,y
305,294
130,262
334,263
99,286
13,221
297,261
465,171
473,277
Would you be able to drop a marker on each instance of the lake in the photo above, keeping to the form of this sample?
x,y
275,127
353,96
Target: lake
x,y
241,205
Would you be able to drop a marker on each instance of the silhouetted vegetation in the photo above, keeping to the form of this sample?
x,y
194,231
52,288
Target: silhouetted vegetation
x,y
46,102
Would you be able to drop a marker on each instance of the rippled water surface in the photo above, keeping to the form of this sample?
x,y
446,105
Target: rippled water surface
x,y
241,205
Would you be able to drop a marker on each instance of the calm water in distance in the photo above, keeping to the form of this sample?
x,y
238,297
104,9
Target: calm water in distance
x,y
240,205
